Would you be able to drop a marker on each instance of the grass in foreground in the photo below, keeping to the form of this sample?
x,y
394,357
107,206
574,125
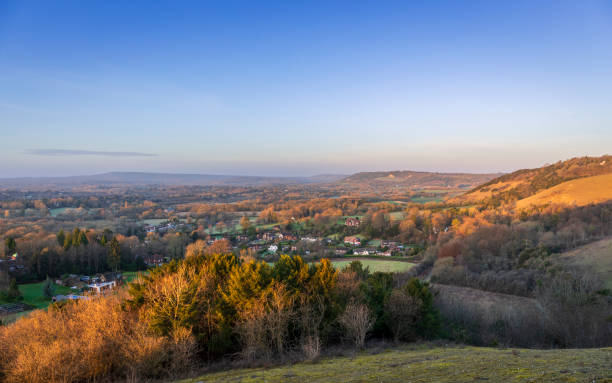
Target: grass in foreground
x,y
426,363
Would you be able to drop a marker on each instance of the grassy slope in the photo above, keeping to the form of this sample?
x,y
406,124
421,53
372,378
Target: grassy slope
x,y
426,363
596,256
582,191
527,182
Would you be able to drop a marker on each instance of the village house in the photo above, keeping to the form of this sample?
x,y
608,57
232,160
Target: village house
x,y
153,260
268,236
352,222
340,251
289,237
273,248
355,241
102,287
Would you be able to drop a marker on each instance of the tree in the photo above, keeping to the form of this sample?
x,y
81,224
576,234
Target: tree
x,y
48,288
61,237
114,254
357,321
13,293
245,223
10,245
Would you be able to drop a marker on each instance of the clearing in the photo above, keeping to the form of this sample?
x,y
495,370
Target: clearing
x,y
429,363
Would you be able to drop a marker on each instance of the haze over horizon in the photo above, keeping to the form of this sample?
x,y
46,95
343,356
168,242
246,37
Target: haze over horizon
x,y
299,89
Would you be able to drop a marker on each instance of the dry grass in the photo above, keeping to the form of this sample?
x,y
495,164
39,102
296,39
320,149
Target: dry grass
x,y
428,363
579,192
596,257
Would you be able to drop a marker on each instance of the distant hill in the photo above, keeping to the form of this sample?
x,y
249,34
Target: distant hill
x,y
418,180
138,178
579,192
527,182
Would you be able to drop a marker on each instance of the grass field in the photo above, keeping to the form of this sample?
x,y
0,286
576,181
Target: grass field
x,y
376,265
428,363
596,257
33,294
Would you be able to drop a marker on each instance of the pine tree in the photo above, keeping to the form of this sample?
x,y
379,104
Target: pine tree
x,y
61,237
114,254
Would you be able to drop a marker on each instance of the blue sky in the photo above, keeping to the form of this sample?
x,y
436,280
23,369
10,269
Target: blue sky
x,y
301,88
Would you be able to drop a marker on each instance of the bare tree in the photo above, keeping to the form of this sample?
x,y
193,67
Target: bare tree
x,y
402,314
357,321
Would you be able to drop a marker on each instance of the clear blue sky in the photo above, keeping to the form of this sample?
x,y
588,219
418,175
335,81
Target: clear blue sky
x,y
300,88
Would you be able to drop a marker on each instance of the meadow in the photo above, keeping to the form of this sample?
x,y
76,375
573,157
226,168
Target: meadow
x,y
383,265
430,363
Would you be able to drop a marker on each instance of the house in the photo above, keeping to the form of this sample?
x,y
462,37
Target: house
x,y
355,241
289,237
273,248
268,236
153,260
386,243
102,287
361,252
340,251
308,239
352,222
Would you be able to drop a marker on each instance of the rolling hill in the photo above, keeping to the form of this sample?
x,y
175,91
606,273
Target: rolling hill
x,y
579,192
141,178
528,182
417,180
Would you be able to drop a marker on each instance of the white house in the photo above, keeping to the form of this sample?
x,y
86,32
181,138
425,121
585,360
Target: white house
x,y
101,288
273,248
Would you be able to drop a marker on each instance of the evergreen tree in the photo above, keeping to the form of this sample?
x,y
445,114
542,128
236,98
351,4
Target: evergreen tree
x,y
10,245
114,254
61,237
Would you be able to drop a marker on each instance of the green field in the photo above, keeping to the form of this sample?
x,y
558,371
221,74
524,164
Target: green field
x,y
376,265
428,363
33,294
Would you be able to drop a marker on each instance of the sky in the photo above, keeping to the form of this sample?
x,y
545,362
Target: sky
x,y
294,88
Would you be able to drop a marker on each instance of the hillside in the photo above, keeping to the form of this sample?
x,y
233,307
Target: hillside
x,y
418,180
595,257
527,182
428,363
579,192
140,178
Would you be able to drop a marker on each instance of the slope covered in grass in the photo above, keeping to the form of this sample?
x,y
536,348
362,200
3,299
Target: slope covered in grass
x,y
426,363
595,257
579,192
527,182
